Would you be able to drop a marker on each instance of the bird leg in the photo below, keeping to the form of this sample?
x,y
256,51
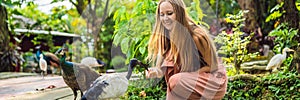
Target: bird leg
x,y
75,94
297,67
46,72
274,70
53,71
42,73
81,93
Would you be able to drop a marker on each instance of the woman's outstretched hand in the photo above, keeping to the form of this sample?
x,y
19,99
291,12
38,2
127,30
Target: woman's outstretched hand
x,y
152,73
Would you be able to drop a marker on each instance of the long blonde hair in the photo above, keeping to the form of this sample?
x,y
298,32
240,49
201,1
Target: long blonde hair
x,y
177,44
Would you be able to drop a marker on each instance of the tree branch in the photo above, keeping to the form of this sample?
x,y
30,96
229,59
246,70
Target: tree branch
x,y
73,2
105,12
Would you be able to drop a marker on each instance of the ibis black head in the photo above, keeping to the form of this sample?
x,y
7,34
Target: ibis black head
x,y
133,62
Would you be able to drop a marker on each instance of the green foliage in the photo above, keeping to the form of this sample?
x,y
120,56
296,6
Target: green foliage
x,y
285,37
298,5
11,3
118,62
40,21
287,63
105,42
133,28
233,45
281,85
45,39
196,12
30,59
137,92
53,21
225,7
275,12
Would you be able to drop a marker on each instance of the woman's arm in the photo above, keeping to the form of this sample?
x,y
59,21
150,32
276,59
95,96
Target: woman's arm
x,y
154,72
204,69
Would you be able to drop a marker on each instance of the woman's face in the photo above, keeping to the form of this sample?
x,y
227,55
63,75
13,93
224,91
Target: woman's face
x,y
167,15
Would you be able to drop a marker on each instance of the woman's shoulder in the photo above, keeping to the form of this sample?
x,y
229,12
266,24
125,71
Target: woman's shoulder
x,y
200,36
199,32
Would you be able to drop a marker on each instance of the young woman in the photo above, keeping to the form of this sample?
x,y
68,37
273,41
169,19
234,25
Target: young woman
x,y
183,52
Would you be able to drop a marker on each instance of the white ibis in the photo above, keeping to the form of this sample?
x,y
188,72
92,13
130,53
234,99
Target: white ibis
x,y
111,86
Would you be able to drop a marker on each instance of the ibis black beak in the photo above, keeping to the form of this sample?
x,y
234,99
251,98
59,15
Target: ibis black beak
x,y
133,62
143,65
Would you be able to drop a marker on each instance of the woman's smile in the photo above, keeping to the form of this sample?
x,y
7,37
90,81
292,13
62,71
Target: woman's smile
x,y
167,15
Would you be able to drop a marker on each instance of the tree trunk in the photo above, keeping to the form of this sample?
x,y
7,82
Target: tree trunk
x,y
262,10
251,20
4,33
89,12
291,15
97,40
6,54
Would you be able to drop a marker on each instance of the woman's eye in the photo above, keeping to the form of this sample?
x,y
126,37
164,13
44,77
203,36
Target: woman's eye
x,y
161,14
170,13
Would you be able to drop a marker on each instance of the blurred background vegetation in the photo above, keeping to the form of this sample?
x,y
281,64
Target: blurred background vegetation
x,y
117,30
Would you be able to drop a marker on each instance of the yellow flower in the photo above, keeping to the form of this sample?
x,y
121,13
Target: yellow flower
x,y
142,94
276,24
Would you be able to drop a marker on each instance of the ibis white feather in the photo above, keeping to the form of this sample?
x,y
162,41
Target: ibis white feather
x,y
117,84
277,60
43,65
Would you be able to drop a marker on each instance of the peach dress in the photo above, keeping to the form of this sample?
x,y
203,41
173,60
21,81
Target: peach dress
x,y
196,85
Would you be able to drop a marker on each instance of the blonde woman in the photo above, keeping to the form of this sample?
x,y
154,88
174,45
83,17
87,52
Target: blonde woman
x,y
183,52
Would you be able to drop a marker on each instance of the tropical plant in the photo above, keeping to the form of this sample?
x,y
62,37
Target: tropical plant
x,y
281,85
285,11
233,46
133,27
38,20
275,12
285,37
138,90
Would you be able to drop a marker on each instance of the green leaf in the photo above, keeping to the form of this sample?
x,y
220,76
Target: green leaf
x,y
142,50
277,7
125,45
117,39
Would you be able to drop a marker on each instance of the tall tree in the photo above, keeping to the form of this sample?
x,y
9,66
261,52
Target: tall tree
x,y
249,5
291,15
4,32
94,12
8,54
258,12
4,37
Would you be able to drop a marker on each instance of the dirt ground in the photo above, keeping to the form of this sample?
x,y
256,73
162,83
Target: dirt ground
x,y
35,88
